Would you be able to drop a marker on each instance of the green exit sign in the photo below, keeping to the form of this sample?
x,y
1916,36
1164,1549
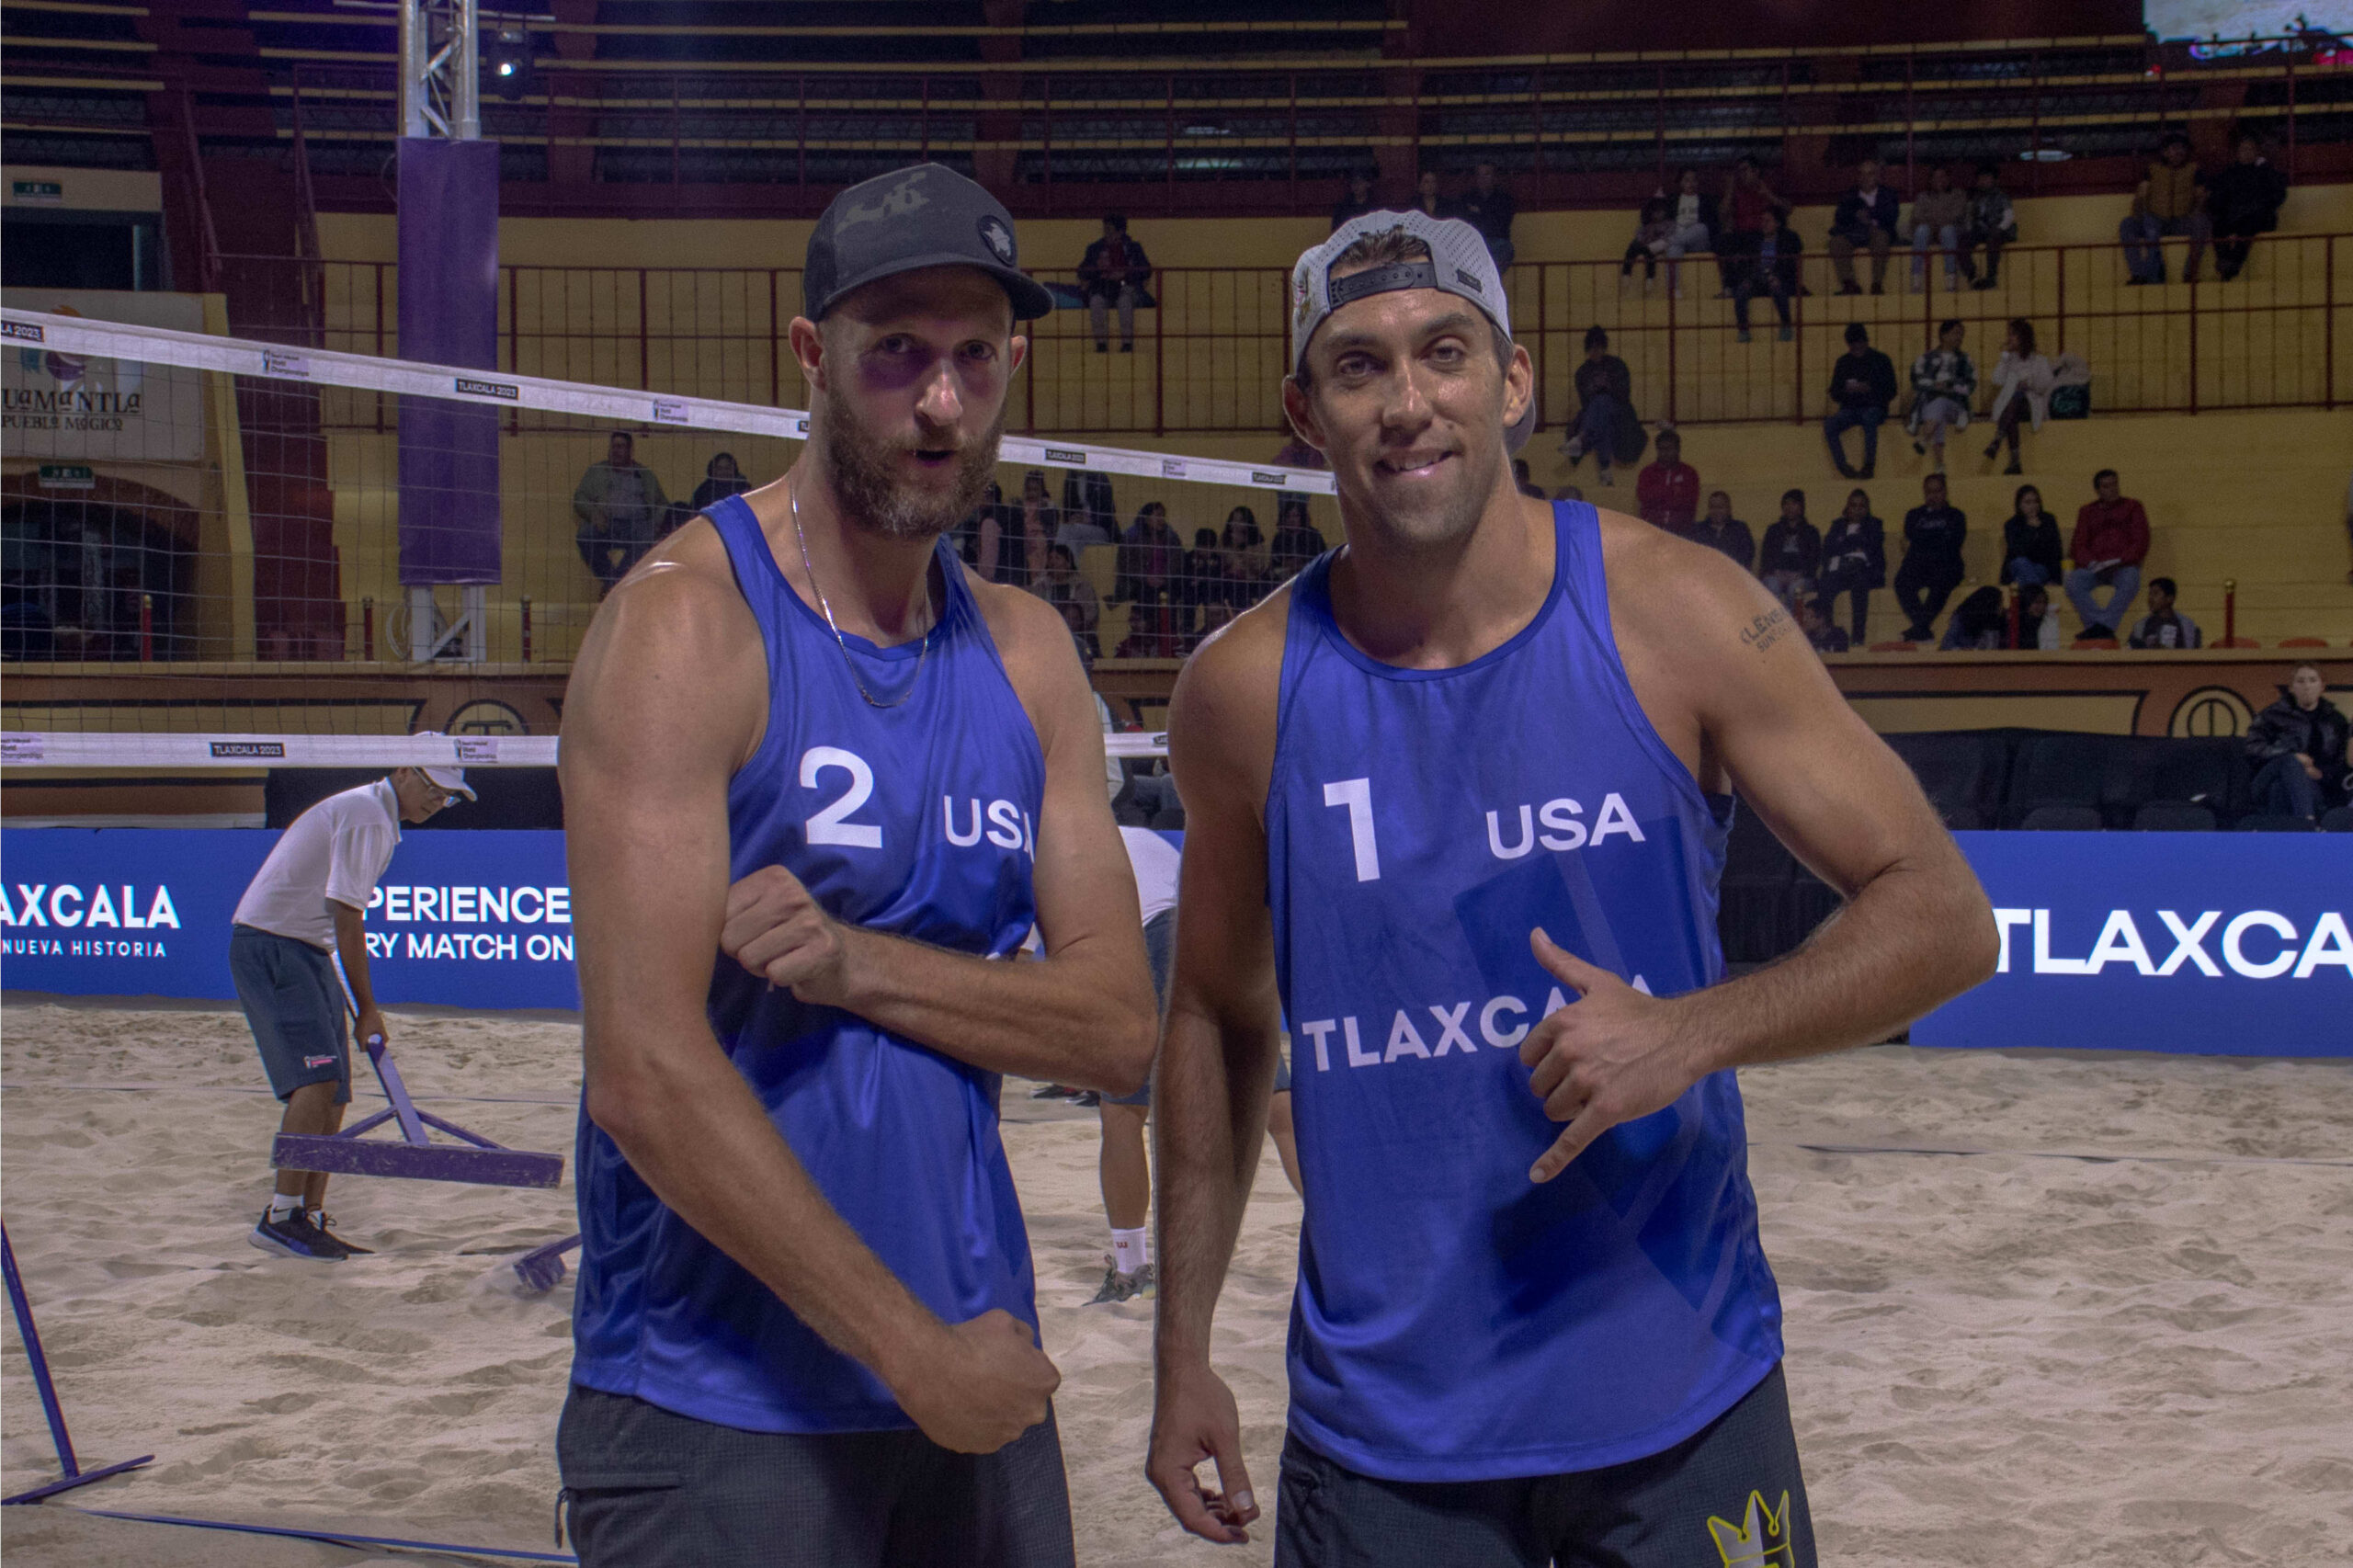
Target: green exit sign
x,y
67,476
38,190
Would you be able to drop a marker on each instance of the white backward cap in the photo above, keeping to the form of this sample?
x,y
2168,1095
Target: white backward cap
x,y
1458,263
448,777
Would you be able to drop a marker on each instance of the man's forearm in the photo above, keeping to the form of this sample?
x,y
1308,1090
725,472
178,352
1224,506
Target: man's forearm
x,y
1066,1020
351,943
1209,1114
1911,938
691,1126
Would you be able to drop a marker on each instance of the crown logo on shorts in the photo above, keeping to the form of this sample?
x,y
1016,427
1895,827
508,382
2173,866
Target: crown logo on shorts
x,y
1760,1541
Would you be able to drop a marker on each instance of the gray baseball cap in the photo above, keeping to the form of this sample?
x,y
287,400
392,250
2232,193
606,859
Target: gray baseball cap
x,y
1458,263
923,216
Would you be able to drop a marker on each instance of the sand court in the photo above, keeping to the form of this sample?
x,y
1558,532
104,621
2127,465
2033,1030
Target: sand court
x,y
2092,1313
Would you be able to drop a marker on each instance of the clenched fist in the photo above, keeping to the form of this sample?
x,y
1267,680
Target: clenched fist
x,y
1618,1054
776,929
980,1384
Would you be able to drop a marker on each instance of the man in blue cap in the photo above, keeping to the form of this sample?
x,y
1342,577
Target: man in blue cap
x,y
818,776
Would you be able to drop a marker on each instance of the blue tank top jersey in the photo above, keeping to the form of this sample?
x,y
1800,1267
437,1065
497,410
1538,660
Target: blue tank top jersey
x,y
1454,1321
917,820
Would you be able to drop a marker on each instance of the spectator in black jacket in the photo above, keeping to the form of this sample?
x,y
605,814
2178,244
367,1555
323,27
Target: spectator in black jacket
x,y
720,480
1357,202
1720,530
1152,559
1771,267
1791,555
2031,553
1854,562
2243,201
1820,631
1863,220
1605,408
1863,385
2299,747
1114,272
1978,623
1932,532
1488,207
1296,541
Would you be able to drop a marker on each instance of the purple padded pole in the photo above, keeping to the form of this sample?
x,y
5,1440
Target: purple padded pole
x,y
448,315
75,1474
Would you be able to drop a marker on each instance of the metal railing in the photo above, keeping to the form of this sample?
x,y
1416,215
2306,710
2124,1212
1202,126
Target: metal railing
x,y
1210,352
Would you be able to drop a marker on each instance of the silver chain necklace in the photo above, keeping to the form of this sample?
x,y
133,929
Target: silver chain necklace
x,y
792,492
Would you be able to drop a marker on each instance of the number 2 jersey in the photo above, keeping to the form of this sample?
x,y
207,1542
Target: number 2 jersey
x,y
919,819
1454,1321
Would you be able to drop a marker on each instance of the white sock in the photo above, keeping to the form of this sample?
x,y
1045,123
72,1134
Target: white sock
x,y
283,1206
1127,1250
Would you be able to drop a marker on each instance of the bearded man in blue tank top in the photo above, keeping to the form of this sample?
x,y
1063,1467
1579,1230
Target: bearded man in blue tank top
x,y
817,777
1456,800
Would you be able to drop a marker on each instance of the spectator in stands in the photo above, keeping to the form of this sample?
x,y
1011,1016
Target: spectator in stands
x,y
2031,555
1791,557
1864,219
1931,569
1989,223
1863,385
1773,270
2111,540
1605,406
2164,625
1696,219
2037,626
1943,383
1854,562
2300,749
1820,631
1203,586
1152,558
2022,376
2171,200
1114,271
1653,231
621,506
720,480
1088,505
1978,623
1747,201
1296,541
1427,197
1666,493
1488,207
1060,586
2245,202
1357,202
1938,214
1525,481
1720,530
967,534
1003,555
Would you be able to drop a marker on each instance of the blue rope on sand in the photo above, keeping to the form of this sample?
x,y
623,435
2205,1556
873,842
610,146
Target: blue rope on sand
x,y
335,1537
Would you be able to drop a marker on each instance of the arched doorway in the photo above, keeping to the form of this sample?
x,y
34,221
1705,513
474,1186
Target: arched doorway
x,y
76,563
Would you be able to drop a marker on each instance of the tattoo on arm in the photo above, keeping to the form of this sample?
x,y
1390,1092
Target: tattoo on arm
x,y
1764,630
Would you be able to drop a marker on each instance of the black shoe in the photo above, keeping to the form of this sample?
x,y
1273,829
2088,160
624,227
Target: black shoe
x,y
1866,473
1993,450
295,1236
325,1224
2096,633
1086,1099
1879,288
1052,1092
2013,467
2136,282
1102,348
1126,348
1850,287
1919,448
1982,283
1845,472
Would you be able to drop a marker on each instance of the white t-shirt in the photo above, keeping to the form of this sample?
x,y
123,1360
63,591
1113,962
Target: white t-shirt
x,y
1154,862
334,850
1687,209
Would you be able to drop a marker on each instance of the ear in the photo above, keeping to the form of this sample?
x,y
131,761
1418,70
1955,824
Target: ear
x,y
1018,351
1301,411
1520,385
808,349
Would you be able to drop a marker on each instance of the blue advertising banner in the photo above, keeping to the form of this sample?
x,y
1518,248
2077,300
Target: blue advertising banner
x,y
2219,944
460,919
2216,943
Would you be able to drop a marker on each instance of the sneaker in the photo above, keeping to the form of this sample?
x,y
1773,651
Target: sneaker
x,y
295,1236
1850,287
1147,1280
1739,335
2013,467
1788,334
1117,1287
1982,284
325,1221
1102,348
1126,348
1086,1099
1051,1092
1607,480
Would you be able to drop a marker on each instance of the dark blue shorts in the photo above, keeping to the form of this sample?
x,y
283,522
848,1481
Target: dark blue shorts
x,y
1159,947
294,1003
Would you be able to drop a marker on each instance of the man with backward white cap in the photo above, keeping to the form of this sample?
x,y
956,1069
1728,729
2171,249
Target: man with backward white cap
x,y
303,905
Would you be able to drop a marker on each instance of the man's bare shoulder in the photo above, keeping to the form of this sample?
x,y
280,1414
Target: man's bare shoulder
x,y
673,643
1667,588
1018,619
1228,694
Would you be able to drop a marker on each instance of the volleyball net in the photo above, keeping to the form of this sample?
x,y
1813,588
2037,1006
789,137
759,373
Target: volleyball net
x,y
222,553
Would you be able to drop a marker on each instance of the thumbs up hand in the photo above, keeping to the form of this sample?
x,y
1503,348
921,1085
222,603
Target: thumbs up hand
x,y
1616,1055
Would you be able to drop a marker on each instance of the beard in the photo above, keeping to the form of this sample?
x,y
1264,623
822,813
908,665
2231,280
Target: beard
x,y
876,500
1439,522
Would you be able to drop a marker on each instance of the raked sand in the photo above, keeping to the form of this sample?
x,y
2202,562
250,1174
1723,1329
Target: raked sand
x,y
2109,1325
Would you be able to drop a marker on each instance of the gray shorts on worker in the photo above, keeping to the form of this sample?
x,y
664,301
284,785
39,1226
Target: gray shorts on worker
x,y
294,1001
647,1488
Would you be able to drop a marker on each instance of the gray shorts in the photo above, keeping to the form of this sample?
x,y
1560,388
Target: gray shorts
x,y
649,1488
1159,947
294,1004
1731,1493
